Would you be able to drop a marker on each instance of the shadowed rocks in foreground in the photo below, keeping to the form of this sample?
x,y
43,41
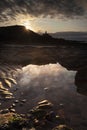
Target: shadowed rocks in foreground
x,y
41,117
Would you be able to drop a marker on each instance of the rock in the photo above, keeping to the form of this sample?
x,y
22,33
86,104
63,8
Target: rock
x,y
46,89
36,122
29,116
60,120
4,127
12,80
51,116
2,87
62,127
38,113
10,107
45,106
4,111
43,102
7,83
4,120
16,101
13,105
12,110
22,115
5,93
23,101
61,105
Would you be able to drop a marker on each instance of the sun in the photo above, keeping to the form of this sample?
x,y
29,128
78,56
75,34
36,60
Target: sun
x,y
27,25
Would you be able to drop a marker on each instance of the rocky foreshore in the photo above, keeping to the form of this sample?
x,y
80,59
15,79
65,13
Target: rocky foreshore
x,y
41,117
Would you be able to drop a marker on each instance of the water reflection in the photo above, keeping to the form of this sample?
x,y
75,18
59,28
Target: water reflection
x,y
71,57
48,81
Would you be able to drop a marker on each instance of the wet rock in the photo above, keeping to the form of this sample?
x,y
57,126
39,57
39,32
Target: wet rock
x,y
4,127
61,106
2,87
4,121
7,82
4,111
29,115
12,110
38,113
45,106
62,127
22,115
16,101
13,105
42,108
60,120
10,107
23,101
12,80
36,122
46,89
43,102
51,116
5,93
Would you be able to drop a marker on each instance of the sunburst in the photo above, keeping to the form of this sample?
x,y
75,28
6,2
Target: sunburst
x,y
27,25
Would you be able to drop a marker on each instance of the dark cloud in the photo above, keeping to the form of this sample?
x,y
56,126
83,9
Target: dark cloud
x,y
9,9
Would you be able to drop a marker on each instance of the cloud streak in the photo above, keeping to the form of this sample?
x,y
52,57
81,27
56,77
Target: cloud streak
x,y
9,9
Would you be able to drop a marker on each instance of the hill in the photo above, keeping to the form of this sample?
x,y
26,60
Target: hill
x,y
18,34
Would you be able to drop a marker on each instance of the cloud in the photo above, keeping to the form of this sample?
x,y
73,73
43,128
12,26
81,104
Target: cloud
x,y
9,9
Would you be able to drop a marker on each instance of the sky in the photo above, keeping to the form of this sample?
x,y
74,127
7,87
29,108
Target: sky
x,y
45,15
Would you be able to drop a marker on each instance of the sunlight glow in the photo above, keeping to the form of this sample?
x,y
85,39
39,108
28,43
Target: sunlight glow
x,y
27,25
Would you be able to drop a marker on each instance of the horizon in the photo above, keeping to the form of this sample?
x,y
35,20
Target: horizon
x,y
67,35
45,30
